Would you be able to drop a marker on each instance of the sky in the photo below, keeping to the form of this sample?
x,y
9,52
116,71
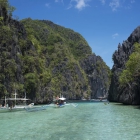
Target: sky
x,y
103,23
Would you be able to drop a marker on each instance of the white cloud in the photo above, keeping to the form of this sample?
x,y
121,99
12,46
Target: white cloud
x,y
114,4
132,1
103,1
115,35
80,4
70,6
128,7
47,5
59,1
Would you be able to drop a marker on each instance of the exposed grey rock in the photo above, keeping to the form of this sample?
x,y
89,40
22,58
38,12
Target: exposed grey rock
x,y
126,95
98,76
87,75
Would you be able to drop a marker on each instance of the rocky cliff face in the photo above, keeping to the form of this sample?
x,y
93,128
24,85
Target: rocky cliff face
x,y
126,94
47,60
98,76
10,62
89,80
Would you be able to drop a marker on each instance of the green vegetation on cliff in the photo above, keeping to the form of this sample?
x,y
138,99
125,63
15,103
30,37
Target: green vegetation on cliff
x,y
132,67
5,4
51,37
40,58
54,45
44,59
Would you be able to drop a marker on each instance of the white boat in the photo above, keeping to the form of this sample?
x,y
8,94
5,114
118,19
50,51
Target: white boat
x,y
8,107
59,102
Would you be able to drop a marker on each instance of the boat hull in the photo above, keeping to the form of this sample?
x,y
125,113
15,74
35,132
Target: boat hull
x,y
36,108
59,106
2,110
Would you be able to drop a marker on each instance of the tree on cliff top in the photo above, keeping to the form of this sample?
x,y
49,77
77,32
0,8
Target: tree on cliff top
x,y
9,8
132,70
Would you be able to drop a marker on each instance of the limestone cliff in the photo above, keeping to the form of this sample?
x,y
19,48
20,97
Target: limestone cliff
x,y
98,76
124,94
45,60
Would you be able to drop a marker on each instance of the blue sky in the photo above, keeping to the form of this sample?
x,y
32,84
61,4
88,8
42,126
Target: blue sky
x,y
103,23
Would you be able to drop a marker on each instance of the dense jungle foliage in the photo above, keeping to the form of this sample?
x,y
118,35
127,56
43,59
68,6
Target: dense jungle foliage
x,y
132,67
54,45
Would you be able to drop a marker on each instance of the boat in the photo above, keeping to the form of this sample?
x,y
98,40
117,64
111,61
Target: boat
x,y
9,106
59,102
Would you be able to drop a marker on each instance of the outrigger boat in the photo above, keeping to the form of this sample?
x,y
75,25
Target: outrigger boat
x,y
10,107
59,102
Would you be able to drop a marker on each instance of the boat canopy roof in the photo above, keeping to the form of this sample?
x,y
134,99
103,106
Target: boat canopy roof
x,y
21,99
62,98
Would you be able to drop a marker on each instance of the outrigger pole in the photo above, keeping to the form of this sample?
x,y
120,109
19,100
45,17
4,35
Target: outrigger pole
x,y
5,101
15,96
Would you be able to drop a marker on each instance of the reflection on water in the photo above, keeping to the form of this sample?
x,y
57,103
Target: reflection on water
x,y
88,121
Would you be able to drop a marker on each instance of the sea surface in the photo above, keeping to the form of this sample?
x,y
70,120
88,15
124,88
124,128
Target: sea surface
x,y
87,121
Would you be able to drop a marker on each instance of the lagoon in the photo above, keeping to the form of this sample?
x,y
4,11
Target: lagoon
x,y
87,121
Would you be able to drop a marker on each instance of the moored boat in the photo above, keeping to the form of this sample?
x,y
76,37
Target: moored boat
x,y
59,102
11,103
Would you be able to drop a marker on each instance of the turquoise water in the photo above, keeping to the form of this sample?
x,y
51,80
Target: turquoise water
x,y
88,121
